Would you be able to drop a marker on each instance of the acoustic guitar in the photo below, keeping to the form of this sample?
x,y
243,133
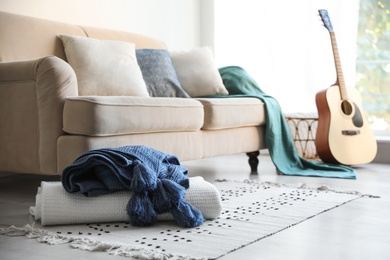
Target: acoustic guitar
x,y
343,134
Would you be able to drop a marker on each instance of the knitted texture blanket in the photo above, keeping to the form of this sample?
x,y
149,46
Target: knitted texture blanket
x,y
157,180
54,206
278,137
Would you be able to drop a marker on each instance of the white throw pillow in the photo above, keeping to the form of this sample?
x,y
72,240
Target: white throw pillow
x,y
103,67
197,72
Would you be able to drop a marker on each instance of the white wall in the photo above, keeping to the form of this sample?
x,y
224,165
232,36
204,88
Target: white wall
x,y
176,22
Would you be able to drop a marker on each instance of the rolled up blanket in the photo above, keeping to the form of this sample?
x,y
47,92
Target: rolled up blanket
x,y
55,206
156,178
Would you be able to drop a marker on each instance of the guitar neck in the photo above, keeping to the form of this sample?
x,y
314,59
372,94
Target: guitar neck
x,y
339,71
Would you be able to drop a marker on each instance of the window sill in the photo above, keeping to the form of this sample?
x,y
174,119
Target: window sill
x,y
383,150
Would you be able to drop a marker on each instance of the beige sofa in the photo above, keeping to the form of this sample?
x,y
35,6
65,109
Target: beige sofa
x,y
46,123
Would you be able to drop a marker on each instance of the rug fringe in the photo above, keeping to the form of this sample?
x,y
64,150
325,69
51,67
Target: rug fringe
x,y
85,244
41,235
300,186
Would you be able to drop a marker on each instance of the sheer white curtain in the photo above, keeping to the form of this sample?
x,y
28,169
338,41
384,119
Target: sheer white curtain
x,y
284,45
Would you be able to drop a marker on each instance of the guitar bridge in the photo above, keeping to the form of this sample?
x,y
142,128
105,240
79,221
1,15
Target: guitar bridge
x,y
350,132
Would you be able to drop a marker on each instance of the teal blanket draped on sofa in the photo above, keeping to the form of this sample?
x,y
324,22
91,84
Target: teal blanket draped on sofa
x,y
278,137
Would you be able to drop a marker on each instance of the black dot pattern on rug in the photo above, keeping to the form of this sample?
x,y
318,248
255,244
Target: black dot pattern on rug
x,y
266,202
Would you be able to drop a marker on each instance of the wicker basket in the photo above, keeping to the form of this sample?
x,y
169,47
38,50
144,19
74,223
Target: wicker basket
x,y
303,127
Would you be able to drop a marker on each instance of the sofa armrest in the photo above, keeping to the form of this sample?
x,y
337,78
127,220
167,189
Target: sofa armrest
x,y
32,95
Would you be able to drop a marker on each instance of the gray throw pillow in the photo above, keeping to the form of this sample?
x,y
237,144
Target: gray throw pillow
x,y
159,74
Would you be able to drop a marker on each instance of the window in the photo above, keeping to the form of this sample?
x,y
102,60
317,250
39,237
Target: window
x,y
373,62
285,47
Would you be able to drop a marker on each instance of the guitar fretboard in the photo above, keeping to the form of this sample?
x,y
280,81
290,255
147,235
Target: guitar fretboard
x,y
339,71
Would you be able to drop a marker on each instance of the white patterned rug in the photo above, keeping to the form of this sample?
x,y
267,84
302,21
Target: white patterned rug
x,y
251,211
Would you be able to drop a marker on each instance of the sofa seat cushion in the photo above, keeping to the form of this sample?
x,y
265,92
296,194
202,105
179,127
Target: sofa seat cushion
x,y
120,115
224,113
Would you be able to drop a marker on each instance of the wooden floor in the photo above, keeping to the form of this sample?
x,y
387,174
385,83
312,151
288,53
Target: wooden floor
x,y
357,230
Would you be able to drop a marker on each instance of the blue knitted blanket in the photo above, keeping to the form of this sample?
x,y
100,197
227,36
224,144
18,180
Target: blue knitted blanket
x,y
157,180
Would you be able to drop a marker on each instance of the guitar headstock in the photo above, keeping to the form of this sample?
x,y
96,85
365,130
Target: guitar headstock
x,y
326,20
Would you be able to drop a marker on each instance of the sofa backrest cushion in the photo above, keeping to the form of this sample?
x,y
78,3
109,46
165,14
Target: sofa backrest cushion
x,y
141,41
25,38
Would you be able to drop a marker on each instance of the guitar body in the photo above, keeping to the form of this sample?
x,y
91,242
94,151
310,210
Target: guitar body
x,y
343,135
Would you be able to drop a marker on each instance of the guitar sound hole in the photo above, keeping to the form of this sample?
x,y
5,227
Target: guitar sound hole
x,y
346,107
357,118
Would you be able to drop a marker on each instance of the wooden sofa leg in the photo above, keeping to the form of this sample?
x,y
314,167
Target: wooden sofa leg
x,y
253,161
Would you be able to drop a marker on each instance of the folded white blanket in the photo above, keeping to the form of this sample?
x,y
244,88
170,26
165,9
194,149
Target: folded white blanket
x,y
55,206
